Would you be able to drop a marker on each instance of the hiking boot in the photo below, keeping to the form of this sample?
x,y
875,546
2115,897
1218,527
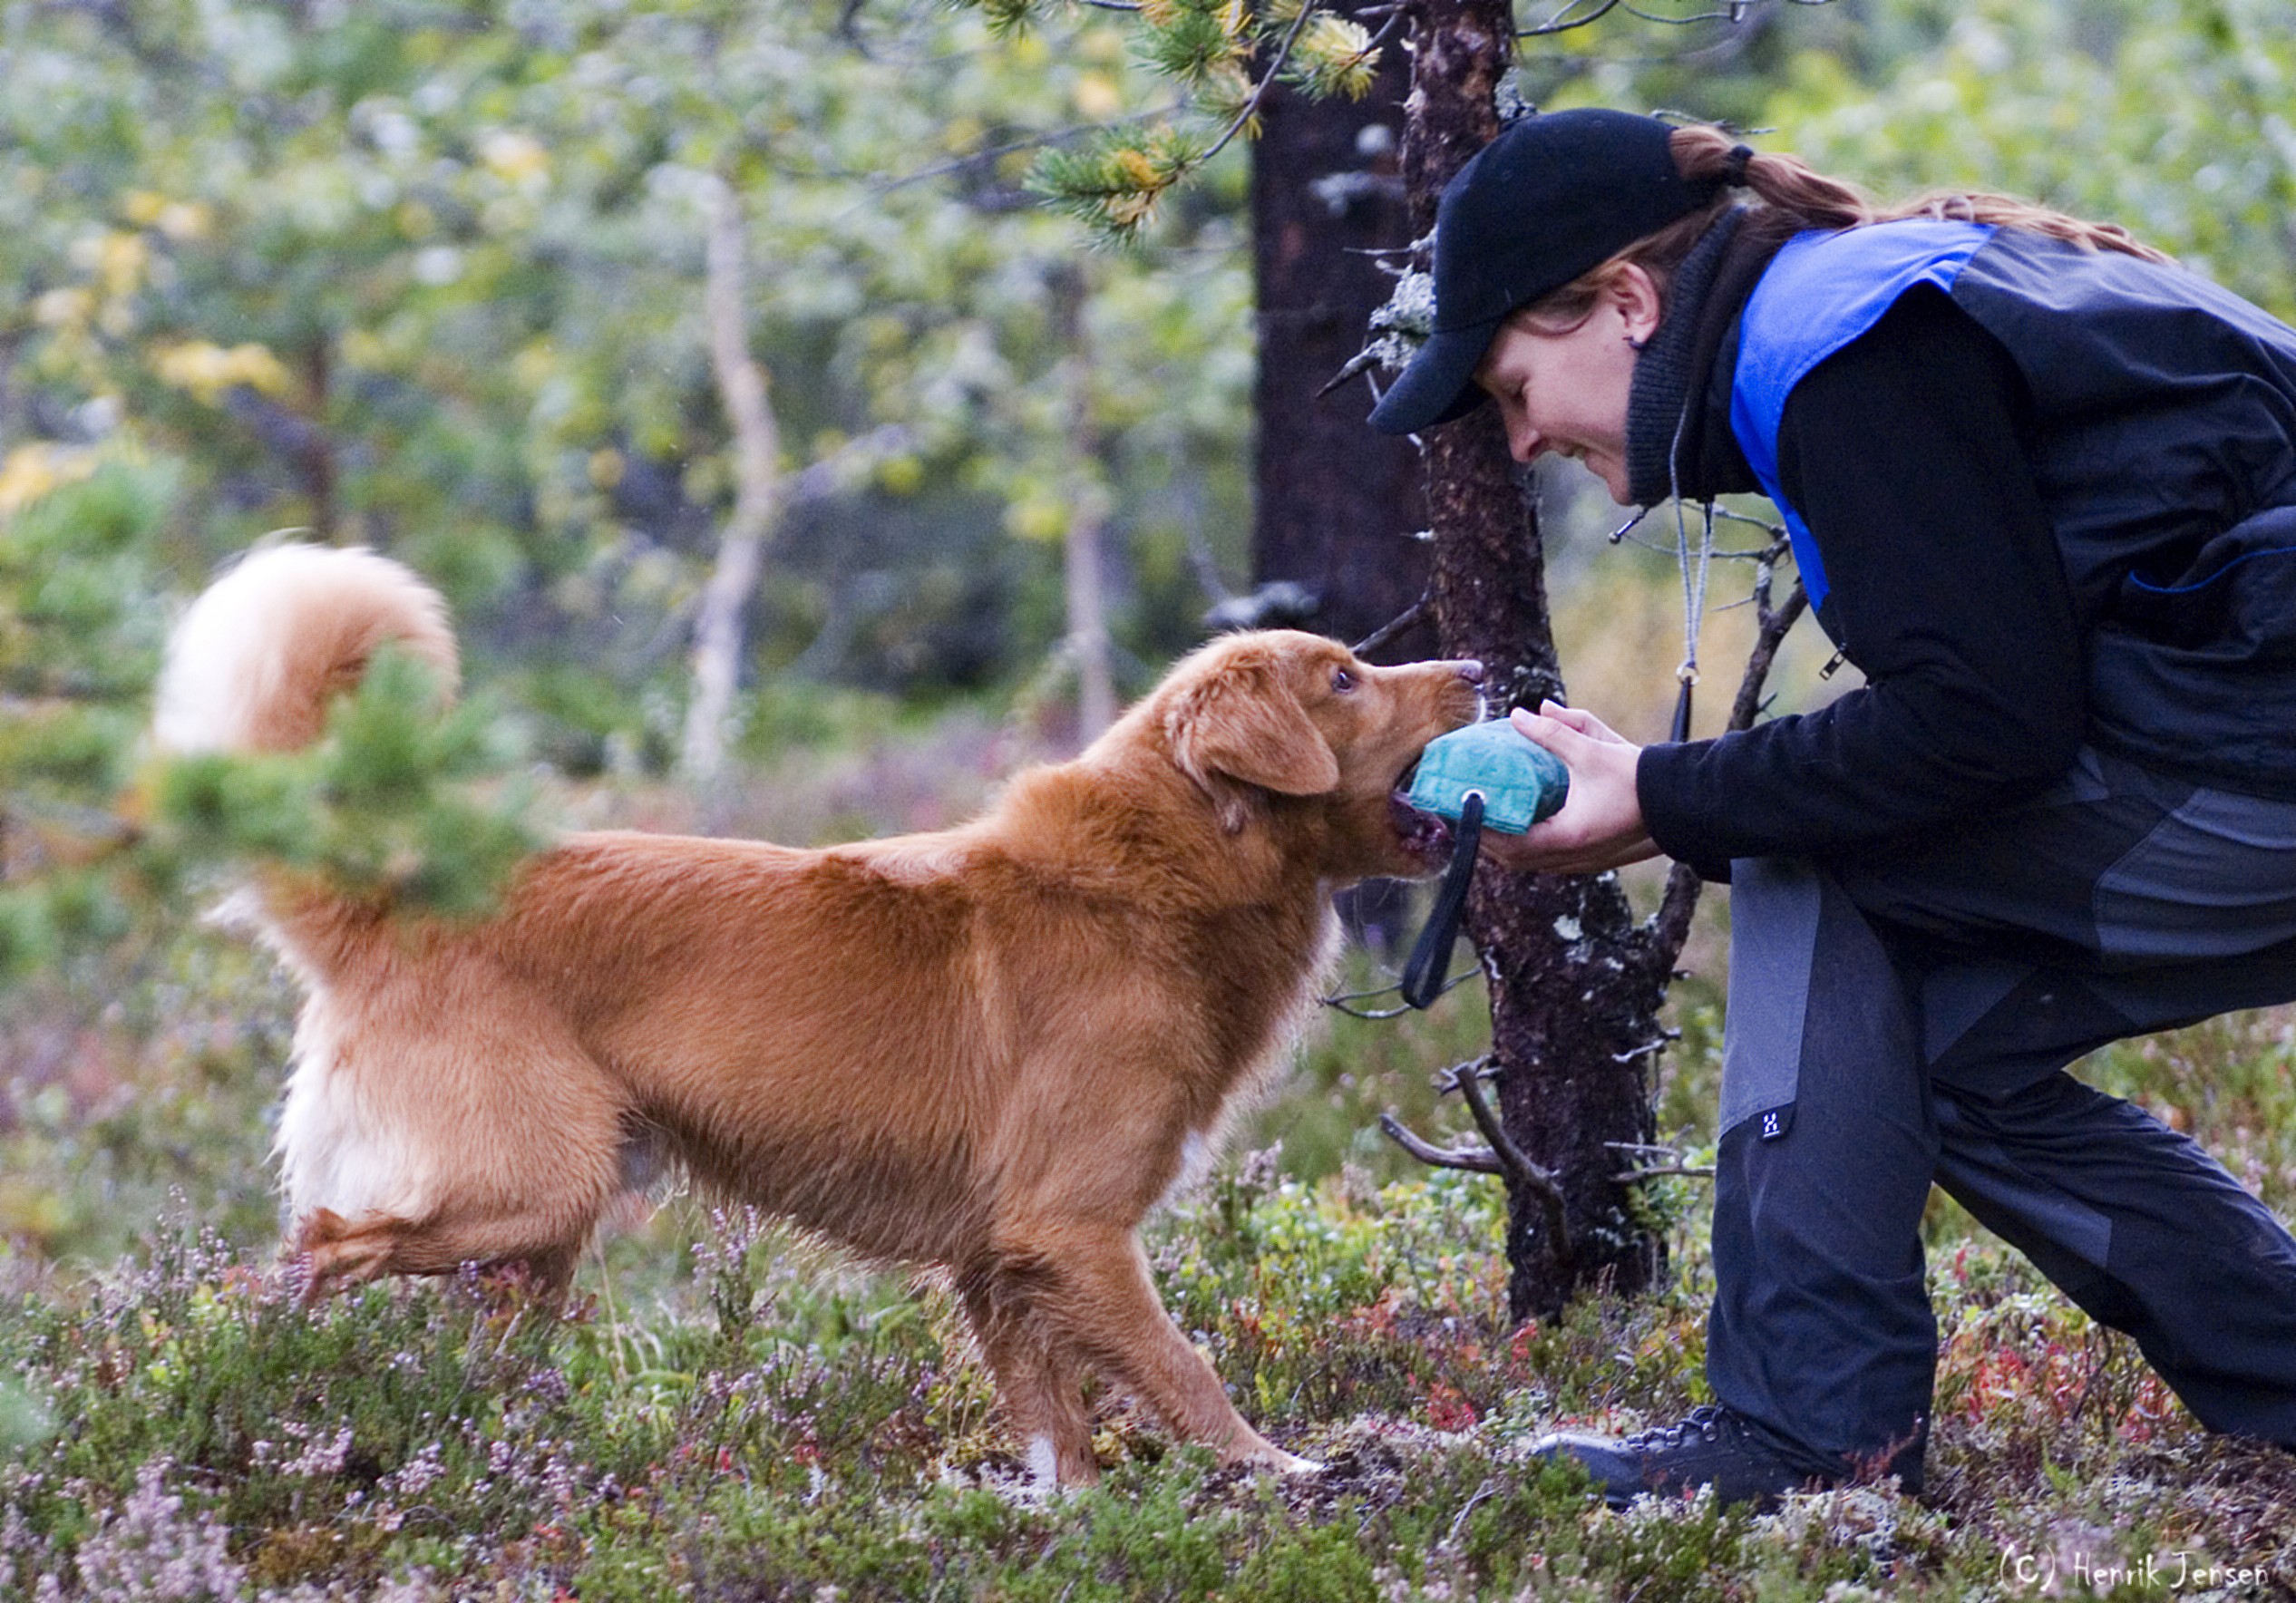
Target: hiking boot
x,y
1713,1446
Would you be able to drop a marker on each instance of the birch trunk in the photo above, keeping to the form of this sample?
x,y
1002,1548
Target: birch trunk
x,y
741,390
1087,610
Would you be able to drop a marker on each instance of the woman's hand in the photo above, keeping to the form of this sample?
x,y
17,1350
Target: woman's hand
x,y
1600,824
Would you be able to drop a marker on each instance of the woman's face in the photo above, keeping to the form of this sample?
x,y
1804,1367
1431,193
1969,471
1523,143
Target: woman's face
x,y
1567,393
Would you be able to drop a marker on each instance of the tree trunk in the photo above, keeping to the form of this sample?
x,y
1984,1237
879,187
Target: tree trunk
x,y
1575,983
318,454
1334,502
741,549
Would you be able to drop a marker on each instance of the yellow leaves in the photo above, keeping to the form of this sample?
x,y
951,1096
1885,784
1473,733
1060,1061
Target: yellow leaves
x,y
124,260
514,157
178,219
1227,85
362,347
1335,55
116,257
64,308
32,1212
1097,97
186,220
535,364
1036,515
1136,168
31,472
1129,212
963,135
208,370
901,475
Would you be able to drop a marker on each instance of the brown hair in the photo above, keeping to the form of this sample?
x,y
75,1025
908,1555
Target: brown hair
x,y
1791,198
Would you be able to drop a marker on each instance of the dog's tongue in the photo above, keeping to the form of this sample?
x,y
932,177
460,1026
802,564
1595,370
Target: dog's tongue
x,y
1426,835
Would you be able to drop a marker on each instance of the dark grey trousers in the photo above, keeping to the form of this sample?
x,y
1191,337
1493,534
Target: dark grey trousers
x,y
1906,1017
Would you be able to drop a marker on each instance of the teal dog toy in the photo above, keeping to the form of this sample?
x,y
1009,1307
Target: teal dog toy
x,y
1522,781
1484,774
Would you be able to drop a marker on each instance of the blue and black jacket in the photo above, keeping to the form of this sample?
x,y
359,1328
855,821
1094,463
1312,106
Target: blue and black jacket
x,y
2042,497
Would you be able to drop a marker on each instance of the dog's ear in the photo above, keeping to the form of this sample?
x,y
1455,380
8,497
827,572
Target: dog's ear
x,y
1243,728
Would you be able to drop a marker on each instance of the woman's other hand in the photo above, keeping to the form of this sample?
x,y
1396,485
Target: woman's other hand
x,y
1600,824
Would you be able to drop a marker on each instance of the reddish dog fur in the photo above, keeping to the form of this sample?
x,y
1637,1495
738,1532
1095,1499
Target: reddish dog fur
x,y
991,1048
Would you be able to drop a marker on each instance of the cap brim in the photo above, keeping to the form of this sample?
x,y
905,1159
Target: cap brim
x,y
1439,384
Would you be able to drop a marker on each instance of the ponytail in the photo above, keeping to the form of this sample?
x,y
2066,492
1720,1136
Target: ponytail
x,y
1815,201
1793,198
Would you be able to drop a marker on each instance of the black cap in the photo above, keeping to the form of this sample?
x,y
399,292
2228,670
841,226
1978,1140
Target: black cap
x,y
1556,194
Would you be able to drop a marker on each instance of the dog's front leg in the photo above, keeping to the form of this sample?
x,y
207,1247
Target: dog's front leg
x,y
1036,1377
1093,1285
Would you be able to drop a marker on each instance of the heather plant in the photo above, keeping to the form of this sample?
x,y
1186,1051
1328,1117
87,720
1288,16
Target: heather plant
x,y
723,1411
726,1410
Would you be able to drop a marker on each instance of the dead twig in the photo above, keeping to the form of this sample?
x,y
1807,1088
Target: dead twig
x,y
1656,1171
1670,927
1666,1038
1563,22
1340,1003
1395,625
1460,1523
1466,1079
1355,364
1474,1159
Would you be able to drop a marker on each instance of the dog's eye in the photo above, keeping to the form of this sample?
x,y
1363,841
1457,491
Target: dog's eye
x,y
1342,681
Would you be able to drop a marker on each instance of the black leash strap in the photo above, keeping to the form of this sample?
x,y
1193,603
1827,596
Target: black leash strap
x,y
1422,976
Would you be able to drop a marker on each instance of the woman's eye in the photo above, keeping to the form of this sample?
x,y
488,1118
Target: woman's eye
x,y
1342,680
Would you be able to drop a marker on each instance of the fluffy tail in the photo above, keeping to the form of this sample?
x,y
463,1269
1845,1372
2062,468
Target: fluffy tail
x,y
254,664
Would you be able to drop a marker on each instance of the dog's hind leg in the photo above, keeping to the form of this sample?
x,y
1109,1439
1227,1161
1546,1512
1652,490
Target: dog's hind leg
x,y
464,1125
1037,1377
332,1251
1093,1287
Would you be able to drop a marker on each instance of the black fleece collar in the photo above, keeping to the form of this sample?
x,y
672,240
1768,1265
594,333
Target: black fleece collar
x,y
1679,407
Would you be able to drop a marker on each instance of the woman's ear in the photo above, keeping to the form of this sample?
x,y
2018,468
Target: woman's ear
x,y
1640,306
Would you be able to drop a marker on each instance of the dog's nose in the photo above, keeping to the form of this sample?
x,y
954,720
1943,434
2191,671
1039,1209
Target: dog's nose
x,y
1470,670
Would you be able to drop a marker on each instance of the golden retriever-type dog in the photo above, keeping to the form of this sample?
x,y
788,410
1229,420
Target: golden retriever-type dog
x,y
991,1049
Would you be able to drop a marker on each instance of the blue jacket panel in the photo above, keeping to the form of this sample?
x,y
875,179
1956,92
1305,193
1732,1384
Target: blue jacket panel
x,y
1822,291
2163,448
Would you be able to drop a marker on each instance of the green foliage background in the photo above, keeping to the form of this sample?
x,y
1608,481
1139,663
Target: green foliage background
x,y
428,276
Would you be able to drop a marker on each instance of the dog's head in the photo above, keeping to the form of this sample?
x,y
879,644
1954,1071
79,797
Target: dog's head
x,y
1291,729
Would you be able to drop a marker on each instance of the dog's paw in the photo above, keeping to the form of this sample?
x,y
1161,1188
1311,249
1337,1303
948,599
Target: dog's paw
x,y
1291,1463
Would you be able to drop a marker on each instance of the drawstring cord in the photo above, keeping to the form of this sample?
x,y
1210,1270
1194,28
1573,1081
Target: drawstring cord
x,y
1694,590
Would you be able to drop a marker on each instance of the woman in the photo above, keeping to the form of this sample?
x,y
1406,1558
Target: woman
x,y
2041,486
